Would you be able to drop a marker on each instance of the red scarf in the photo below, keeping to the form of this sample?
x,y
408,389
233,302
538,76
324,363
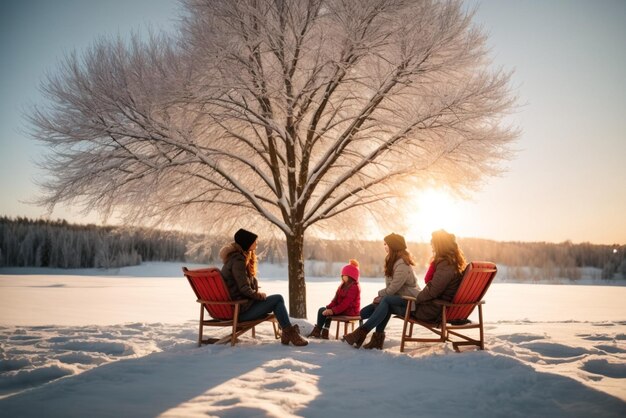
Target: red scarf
x,y
430,273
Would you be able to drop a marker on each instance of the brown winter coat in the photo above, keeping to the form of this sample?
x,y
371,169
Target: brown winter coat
x,y
443,285
240,285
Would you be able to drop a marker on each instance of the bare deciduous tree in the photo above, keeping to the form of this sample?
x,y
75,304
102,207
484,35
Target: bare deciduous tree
x,y
277,115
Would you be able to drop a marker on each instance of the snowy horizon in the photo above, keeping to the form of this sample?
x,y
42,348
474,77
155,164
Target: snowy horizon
x,y
315,270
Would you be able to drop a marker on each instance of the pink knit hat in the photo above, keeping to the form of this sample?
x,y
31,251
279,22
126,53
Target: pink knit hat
x,y
351,270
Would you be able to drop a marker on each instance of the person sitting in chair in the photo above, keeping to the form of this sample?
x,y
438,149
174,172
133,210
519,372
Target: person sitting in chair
x,y
239,273
443,280
400,281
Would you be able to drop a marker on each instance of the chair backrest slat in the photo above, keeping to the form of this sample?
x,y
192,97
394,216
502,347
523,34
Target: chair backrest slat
x,y
476,280
209,285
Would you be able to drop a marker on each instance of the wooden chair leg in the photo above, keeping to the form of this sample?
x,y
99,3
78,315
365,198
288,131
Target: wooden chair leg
x,y
337,332
406,314
276,333
201,321
403,337
253,332
233,337
480,322
444,330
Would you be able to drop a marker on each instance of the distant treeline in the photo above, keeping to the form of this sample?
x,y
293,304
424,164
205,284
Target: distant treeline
x,y
43,243
525,261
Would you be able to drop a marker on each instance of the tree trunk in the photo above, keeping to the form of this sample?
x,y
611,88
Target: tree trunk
x,y
297,286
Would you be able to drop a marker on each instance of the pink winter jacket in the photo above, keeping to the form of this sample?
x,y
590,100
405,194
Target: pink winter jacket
x,y
347,301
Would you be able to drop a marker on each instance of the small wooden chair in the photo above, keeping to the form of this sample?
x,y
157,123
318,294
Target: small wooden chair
x,y
345,320
476,280
212,295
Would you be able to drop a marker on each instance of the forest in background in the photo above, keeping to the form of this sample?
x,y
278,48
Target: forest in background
x,y
59,244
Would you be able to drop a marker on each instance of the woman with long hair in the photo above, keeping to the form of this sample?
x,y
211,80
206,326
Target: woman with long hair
x,y
442,282
239,273
448,266
400,281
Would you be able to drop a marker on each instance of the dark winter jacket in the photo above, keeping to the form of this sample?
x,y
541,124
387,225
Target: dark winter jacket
x,y
444,284
347,300
240,285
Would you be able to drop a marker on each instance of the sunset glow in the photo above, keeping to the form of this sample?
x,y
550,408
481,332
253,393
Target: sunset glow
x,y
433,209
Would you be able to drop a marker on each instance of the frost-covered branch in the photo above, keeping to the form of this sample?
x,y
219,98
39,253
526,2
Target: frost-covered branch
x,y
276,115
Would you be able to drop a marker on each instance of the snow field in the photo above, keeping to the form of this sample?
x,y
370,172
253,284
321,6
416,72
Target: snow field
x,y
125,346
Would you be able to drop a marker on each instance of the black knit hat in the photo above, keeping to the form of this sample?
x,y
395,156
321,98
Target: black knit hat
x,y
395,242
245,238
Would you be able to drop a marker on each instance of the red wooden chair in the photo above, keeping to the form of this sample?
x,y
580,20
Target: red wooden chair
x,y
476,280
212,294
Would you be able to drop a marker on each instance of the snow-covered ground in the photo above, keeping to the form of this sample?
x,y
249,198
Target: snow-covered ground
x,y
122,343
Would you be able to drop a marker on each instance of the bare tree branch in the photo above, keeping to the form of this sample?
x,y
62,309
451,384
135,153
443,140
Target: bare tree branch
x,y
288,115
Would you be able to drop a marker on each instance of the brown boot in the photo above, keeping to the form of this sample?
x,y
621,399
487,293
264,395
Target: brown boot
x,y
356,338
378,338
324,333
291,335
316,333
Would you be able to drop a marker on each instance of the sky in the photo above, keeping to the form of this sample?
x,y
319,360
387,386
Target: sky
x,y
566,182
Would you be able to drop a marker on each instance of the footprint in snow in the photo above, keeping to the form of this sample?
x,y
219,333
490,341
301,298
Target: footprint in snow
x,y
595,337
558,351
611,349
605,368
521,338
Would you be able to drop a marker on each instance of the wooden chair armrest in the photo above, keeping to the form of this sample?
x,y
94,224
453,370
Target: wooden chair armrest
x,y
410,301
226,302
450,304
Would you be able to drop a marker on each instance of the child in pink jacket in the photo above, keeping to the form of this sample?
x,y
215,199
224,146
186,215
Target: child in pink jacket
x,y
347,300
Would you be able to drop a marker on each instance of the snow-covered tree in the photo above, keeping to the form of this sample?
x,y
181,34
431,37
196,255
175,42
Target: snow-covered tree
x,y
277,116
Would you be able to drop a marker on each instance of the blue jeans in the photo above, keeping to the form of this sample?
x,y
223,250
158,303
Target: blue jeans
x,y
380,314
323,321
260,308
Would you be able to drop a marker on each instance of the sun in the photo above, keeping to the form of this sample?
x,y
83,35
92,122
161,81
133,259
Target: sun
x,y
433,209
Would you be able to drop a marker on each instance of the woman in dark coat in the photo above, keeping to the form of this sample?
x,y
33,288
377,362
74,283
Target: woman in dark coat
x,y
449,265
239,273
